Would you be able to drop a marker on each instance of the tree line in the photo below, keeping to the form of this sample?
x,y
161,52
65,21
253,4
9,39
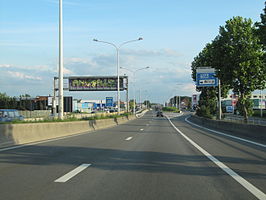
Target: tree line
x,y
238,55
23,102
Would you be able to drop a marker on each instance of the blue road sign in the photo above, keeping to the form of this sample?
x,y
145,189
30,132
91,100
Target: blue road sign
x,y
109,101
206,80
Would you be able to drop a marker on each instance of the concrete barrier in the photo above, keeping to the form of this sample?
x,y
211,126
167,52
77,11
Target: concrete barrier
x,y
247,130
12,134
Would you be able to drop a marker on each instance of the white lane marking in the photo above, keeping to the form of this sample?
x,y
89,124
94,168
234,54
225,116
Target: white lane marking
x,y
224,134
72,173
141,129
129,138
251,188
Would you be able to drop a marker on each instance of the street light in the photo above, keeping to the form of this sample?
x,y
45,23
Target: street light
x,y
61,66
134,72
179,99
117,53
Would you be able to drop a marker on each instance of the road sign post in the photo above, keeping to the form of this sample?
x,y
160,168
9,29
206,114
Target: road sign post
x,y
206,77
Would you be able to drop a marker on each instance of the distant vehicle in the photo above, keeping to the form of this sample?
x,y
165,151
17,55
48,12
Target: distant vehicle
x,y
111,111
159,114
8,115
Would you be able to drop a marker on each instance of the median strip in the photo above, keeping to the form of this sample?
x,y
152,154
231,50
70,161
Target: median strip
x,y
72,173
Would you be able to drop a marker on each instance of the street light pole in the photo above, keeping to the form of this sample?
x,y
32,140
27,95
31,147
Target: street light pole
x,y
134,81
261,113
61,66
117,53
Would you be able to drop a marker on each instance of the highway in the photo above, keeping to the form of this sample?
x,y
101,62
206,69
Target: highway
x,y
147,158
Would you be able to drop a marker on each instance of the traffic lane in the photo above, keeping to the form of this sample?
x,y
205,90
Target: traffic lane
x,y
127,171
38,165
248,160
158,164
164,166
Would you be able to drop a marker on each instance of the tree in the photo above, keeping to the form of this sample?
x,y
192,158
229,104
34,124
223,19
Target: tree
x,y
131,104
243,68
261,31
147,103
209,56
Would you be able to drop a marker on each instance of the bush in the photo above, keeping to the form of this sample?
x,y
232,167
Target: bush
x,y
170,109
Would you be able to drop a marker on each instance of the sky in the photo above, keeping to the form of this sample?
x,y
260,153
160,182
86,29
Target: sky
x,y
173,32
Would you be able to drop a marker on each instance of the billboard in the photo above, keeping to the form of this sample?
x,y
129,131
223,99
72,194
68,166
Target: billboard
x,y
96,83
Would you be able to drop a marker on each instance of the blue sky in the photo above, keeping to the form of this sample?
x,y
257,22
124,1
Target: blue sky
x,y
174,32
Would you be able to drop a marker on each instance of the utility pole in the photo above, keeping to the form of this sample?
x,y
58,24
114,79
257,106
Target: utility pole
x,y
61,65
219,100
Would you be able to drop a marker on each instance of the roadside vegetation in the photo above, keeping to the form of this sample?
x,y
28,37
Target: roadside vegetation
x,y
170,109
238,55
70,119
256,113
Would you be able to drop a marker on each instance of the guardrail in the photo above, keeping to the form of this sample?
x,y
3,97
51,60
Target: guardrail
x,y
240,119
248,130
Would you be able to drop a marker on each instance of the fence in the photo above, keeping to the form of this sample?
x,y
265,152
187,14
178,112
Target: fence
x,y
240,119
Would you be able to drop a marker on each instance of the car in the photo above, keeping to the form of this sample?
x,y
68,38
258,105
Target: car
x,y
159,114
111,111
8,115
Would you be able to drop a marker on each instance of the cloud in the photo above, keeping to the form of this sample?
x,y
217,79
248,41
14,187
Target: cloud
x,y
151,53
5,66
23,76
67,72
160,80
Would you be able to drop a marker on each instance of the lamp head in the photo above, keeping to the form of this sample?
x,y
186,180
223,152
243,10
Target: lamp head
x,y
140,38
95,40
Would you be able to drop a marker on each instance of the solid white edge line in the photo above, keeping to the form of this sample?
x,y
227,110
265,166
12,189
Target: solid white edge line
x,y
72,173
224,134
251,188
129,138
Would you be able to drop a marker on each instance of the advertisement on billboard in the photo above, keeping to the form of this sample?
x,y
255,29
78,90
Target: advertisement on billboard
x,y
96,83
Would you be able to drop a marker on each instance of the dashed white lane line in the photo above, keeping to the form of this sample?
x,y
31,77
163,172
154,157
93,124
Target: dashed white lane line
x,y
141,129
72,173
227,135
251,188
129,138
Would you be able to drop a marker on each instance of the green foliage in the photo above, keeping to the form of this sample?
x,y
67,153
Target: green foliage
x,y
245,104
261,31
147,103
70,119
256,113
170,109
7,102
131,104
238,56
243,60
207,103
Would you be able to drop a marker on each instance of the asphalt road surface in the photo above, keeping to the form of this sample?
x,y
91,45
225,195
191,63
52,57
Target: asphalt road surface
x,y
148,158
